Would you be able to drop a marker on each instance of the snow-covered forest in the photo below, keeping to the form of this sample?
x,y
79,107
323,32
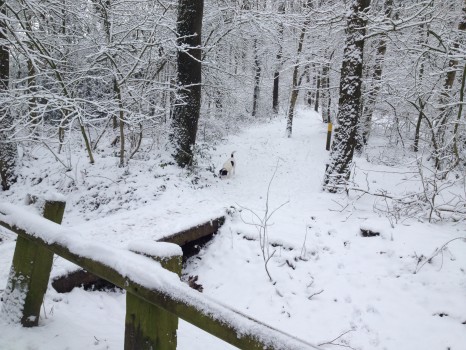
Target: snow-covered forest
x,y
345,213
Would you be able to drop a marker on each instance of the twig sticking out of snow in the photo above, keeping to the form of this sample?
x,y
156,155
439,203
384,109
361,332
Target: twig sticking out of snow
x,y
332,342
263,224
437,252
314,294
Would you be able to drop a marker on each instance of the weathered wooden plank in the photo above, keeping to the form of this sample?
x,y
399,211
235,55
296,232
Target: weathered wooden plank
x,y
196,232
148,326
30,273
80,278
199,234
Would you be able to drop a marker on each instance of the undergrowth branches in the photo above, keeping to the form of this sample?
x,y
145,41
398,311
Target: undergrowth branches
x,y
262,223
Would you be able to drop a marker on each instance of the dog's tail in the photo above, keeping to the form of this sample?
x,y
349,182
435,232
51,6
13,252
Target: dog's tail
x,y
232,153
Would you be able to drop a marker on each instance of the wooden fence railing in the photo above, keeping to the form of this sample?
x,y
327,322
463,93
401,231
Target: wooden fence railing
x,y
155,295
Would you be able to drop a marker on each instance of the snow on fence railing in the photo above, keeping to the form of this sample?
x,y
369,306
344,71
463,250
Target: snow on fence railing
x,y
155,296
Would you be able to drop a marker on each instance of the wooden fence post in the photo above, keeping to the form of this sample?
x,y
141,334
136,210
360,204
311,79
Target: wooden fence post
x,y
148,327
30,272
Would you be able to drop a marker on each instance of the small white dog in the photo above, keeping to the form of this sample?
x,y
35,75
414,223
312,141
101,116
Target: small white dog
x,y
228,169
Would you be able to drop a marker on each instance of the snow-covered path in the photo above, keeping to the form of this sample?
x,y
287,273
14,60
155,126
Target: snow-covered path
x,y
261,151
327,279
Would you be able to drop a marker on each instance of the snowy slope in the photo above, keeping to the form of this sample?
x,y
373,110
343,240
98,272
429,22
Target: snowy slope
x,y
328,281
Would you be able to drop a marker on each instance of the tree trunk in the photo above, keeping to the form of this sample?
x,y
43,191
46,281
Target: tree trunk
x,y
31,81
308,96
373,93
257,77
460,112
317,101
418,126
188,104
8,151
422,41
103,8
295,87
326,97
121,120
446,95
276,74
338,169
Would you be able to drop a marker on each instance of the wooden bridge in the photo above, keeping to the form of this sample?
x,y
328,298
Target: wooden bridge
x,y
155,297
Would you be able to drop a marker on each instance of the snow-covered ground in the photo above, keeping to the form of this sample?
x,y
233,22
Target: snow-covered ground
x,y
331,286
